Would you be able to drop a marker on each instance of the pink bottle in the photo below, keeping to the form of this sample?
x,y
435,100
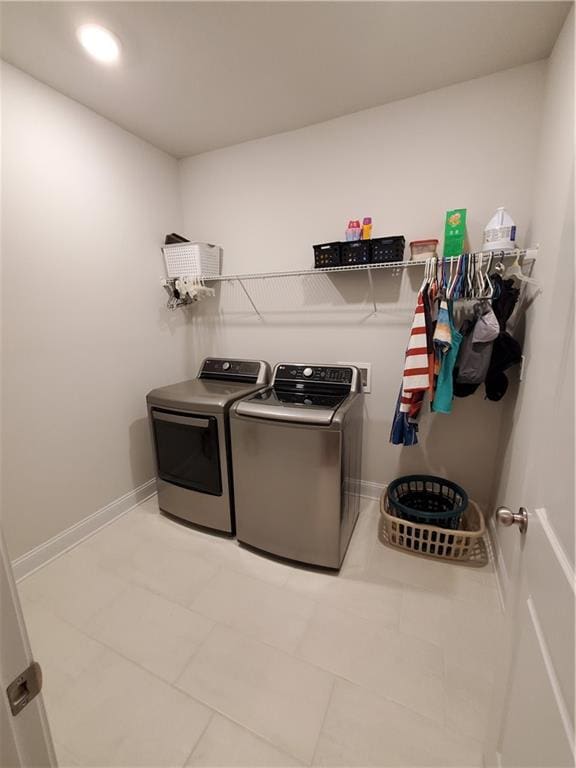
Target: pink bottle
x,y
354,230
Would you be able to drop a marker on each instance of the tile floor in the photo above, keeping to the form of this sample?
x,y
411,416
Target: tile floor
x,y
165,646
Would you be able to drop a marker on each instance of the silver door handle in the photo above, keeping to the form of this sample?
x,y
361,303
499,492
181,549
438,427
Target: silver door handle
x,y
188,421
507,518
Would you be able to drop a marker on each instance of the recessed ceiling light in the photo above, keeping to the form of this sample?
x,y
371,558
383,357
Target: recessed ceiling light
x,y
99,43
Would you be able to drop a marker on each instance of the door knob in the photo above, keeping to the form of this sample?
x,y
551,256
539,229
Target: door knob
x,y
507,518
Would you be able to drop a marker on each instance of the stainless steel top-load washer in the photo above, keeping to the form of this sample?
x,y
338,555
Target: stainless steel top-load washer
x,y
191,435
297,451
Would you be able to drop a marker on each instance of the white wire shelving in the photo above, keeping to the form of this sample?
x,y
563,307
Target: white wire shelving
x,y
526,255
521,253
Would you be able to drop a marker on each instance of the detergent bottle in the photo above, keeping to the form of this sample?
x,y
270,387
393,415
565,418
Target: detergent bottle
x,y
500,232
367,228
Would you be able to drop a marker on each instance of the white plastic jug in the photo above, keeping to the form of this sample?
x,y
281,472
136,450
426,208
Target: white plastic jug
x,y
500,232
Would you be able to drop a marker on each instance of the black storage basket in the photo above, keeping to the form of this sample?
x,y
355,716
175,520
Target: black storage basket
x,y
326,255
355,252
427,499
387,249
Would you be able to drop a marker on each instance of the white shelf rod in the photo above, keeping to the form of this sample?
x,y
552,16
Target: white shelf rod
x,y
529,253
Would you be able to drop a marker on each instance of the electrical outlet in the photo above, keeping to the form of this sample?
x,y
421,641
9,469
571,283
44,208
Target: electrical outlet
x,y
366,374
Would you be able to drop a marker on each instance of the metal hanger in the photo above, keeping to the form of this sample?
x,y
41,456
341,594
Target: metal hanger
x,y
479,285
426,276
488,281
469,290
515,271
453,279
500,268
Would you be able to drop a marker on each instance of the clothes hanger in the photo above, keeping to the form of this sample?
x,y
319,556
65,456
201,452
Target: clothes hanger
x,y
440,276
466,286
203,288
191,288
444,277
469,276
459,283
450,285
500,268
463,288
482,286
426,272
487,280
479,286
431,278
453,279
515,271
433,287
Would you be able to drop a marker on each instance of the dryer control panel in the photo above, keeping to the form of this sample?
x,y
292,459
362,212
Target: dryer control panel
x,y
233,370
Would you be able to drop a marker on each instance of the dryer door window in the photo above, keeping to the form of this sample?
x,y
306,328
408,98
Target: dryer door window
x,y
187,450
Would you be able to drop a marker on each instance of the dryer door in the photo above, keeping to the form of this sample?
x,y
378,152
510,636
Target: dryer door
x,y
187,451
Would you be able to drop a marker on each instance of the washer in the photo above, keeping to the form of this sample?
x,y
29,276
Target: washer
x,y
191,436
297,452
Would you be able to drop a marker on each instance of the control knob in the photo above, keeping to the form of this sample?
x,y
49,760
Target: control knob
x,y
307,372
225,366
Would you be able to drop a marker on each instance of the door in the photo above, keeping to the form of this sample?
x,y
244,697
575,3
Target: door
x,y
187,450
533,721
25,737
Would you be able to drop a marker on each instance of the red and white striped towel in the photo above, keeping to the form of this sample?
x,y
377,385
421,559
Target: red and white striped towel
x,y
418,365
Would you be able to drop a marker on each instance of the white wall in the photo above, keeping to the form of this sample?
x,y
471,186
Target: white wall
x,y
85,206
267,201
550,315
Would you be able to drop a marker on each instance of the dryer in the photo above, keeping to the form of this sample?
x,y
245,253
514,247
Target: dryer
x,y
191,438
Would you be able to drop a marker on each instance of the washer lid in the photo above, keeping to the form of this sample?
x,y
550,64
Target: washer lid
x,y
300,407
201,394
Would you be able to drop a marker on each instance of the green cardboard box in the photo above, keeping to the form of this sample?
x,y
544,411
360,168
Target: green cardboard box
x,y
455,232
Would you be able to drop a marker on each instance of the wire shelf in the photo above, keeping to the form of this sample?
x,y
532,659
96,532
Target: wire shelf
x,y
528,256
527,253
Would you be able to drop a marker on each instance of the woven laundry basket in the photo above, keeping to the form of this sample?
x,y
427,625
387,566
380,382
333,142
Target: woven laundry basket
x,y
466,544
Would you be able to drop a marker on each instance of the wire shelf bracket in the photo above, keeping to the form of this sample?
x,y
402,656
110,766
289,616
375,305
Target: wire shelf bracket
x,y
372,292
254,307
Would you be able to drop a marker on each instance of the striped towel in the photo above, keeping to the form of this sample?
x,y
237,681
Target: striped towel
x,y
417,363
417,379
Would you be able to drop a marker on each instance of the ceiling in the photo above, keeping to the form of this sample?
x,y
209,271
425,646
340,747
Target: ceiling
x,y
195,76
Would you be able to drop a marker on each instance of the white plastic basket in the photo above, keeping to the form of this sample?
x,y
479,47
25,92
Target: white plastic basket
x,y
192,260
465,544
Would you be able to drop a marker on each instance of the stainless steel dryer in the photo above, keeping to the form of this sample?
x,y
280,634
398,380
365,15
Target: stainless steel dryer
x,y
297,451
191,435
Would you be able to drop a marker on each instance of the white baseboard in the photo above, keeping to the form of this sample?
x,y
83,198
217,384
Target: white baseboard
x,y
502,576
41,555
371,490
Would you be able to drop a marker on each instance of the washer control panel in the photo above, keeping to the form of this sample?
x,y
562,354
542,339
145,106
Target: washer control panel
x,y
329,374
